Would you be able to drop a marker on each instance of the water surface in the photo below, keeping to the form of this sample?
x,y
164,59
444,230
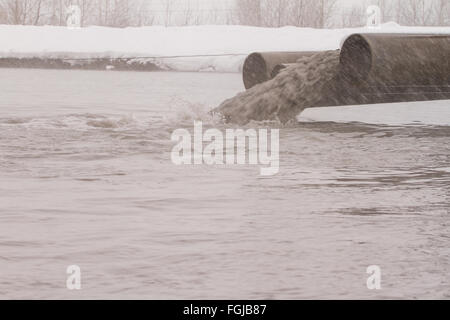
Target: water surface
x,y
86,179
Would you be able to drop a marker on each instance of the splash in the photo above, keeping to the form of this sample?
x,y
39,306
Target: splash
x,y
183,113
80,122
308,83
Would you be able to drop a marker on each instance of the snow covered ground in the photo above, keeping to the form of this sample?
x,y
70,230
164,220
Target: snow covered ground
x,y
234,42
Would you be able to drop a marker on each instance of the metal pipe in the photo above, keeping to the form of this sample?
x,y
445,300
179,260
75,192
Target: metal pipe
x,y
388,68
259,66
396,59
373,68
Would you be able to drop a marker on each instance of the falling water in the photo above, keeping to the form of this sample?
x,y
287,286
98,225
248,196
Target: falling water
x,y
303,85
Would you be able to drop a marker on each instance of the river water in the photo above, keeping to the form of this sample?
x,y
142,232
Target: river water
x,y
86,179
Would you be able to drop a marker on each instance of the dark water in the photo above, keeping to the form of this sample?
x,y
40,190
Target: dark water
x,y
86,179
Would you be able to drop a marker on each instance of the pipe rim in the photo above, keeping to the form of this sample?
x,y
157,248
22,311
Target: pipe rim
x,y
254,70
356,58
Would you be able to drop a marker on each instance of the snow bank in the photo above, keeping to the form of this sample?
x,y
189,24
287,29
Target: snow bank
x,y
235,42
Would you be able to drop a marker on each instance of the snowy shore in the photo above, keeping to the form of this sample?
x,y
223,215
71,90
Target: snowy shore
x,y
211,48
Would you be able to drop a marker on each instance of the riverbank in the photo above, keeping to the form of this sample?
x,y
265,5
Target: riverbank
x,y
192,48
81,64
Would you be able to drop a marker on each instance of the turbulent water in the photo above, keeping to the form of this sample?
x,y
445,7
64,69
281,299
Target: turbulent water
x,y
86,179
298,87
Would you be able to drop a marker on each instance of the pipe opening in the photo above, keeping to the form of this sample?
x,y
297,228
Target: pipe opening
x,y
356,58
254,70
278,68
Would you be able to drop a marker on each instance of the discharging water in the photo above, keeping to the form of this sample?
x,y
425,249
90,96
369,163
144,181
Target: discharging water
x,y
298,87
86,179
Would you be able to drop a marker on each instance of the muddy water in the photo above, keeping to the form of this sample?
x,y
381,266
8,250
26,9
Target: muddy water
x,y
300,86
86,179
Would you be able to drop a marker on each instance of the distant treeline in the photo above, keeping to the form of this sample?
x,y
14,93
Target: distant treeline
x,y
332,13
263,13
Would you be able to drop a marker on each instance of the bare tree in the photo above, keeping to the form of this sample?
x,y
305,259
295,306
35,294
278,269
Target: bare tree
x,y
262,13
298,9
325,11
441,12
37,11
22,11
85,10
407,12
168,11
416,12
120,14
187,14
353,17
275,13
14,11
3,15
249,12
143,15
278,13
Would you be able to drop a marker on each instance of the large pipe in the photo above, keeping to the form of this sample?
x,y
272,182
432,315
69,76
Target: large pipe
x,y
386,68
369,68
259,66
396,59
373,68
